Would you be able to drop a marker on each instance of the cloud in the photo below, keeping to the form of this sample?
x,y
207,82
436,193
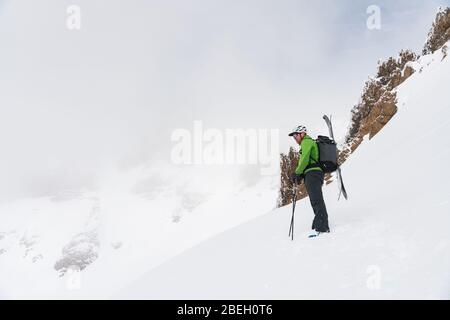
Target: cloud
x,y
75,102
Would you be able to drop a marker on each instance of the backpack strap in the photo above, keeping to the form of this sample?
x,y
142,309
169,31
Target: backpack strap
x,y
317,163
310,165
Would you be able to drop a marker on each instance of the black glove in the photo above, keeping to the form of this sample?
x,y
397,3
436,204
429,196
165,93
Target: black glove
x,y
297,178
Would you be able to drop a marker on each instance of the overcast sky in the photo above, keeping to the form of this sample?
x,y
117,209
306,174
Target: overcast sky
x,y
72,102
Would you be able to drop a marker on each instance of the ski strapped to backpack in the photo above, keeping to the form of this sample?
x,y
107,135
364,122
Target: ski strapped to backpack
x,y
338,170
328,156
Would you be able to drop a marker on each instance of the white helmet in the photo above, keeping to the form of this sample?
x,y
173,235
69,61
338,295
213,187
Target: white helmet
x,y
298,129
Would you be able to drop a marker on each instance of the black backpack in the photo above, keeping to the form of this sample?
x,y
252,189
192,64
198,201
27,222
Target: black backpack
x,y
327,155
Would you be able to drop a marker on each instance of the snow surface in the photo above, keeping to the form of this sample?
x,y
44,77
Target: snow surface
x,y
135,221
390,240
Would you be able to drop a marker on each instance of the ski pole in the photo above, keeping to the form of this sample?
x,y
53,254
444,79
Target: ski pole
x,y
294,200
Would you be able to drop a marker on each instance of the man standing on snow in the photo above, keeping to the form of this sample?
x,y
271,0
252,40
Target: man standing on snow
x,y
309,169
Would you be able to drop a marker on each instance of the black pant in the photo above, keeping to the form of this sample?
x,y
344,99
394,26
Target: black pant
x,y
314,182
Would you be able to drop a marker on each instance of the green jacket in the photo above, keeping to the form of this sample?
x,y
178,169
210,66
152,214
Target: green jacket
x,y
309,152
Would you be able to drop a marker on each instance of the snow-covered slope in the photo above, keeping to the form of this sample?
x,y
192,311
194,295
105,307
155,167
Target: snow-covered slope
x,y
391,238
134,221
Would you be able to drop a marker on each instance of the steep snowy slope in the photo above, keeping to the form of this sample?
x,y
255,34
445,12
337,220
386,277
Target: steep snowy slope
x,y
391,238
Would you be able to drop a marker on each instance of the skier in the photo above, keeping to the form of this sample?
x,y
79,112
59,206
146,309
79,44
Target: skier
x,y
309,169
